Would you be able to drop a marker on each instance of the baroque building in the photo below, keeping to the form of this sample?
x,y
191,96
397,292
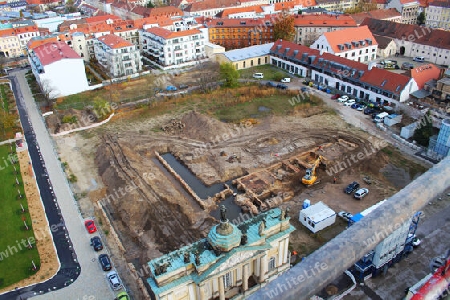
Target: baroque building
x,y
231,263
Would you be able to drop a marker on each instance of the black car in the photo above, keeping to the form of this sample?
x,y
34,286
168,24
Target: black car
x,y
351,187
183,86
271,84
282,86
369,111
96,242
105,262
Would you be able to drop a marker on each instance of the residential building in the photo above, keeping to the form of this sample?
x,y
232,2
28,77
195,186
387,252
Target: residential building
x,y
424,73
246,57
414,40
357,44
210,8
168,49
231,263
409,9
438,14
442,146
44,4
386,46
389,14
10,44
354,78
238,33
50,64
25,33
308,28
118,56
336,5
381,4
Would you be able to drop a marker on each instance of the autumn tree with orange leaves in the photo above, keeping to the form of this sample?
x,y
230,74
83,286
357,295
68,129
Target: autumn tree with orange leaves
x,y
283,28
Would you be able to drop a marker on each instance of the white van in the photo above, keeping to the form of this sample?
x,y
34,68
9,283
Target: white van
x,y
287,79
258,75
380,117
419,58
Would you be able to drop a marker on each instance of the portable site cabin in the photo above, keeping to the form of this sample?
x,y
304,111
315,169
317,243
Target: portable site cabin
x,y
316,217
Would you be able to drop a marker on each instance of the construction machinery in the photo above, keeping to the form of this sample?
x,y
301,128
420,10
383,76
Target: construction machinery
x,y
310,177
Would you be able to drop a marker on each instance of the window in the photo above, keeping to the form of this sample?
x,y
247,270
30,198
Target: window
x,y
227,280
272,263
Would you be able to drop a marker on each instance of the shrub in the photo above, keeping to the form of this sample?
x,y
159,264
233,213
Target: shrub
x,y
69,119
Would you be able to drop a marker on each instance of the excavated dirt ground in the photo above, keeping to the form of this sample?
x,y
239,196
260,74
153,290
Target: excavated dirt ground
x,y
153,215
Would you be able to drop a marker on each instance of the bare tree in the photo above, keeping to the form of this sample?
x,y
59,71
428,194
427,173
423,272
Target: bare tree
x,y
208,75
48,91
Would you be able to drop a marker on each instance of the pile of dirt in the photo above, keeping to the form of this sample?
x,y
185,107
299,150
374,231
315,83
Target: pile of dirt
x,y
200,127
73,118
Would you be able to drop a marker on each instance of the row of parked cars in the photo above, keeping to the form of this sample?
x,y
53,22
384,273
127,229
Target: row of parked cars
x,y
360,192
105,262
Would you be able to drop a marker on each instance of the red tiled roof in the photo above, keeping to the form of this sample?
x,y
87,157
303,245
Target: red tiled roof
x,y
236,10
291,4
211,4
55,51
6,32
380,14
167,34
422,35
241,22
381,1
114,41
33,43
347,35
380,78
408,1
425,73
440,3
324,20
165,11
103,18
26,29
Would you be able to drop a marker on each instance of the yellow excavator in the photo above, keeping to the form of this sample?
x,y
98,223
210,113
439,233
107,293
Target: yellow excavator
x,y
310,176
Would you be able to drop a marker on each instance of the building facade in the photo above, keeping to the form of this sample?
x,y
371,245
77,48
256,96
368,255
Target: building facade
x,y
9,44
336,5
118,56
239,33
442,146
231,263
308,28
351,77
49,64
356,44
409,9
168,49
437,15
246,57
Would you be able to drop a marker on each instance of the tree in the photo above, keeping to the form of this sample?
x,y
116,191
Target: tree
x,y
150,5
229,73
283,28
424,130
362,6
102,108
421,18
48,91
207,75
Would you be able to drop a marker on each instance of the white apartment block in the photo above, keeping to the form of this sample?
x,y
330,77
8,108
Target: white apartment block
x,y
356,44
168,50
408,8
438,15
118,56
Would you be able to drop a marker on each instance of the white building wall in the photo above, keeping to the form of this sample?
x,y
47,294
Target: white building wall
x,y
432,54
79,45
65,83
322,44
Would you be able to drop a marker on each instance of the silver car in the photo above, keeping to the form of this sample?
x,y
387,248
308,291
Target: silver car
x,y
361,193
114,280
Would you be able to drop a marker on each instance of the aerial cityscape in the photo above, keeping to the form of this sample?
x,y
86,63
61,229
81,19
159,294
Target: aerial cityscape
x,y
225,150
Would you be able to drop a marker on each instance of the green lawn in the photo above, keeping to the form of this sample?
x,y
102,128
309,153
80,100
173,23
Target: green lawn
x,y
15,264
270,72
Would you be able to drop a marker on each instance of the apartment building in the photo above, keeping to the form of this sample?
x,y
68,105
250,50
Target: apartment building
x,y
50,63
118,56
239,33
356,44
10,44
168,50
354,78
308,28
210,8
409,9
438,15
336,5
414,40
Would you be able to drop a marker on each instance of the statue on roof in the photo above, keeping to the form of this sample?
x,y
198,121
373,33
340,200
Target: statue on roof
x,y
286,212
197,258
262,226
187,257
283,215
223,213
244,239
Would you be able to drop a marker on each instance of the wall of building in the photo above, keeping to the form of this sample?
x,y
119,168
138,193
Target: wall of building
x,y
390,50
245,63
10,46
437,17
432,54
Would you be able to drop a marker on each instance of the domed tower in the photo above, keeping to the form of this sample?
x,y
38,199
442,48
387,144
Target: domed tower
x,y
224,236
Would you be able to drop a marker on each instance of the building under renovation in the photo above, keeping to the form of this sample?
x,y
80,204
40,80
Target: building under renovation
x,y
232,262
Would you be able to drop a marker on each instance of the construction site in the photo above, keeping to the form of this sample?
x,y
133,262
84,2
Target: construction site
x,y
173,171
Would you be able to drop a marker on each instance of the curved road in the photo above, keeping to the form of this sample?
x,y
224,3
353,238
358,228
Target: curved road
x,y
79,276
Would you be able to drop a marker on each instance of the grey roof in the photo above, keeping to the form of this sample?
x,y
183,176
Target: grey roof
x,y
420,94
249,52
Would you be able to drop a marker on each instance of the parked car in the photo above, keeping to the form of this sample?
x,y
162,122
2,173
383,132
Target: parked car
x,y
271,84
361,107
407,66
345,215
415,241
258,75
183,86
349,102
122,296
343,98
114,280
354,105
96,242
171,88
105,262
361,193
419,58
336,96
90,226
303,89
351,187
369,111
282,86
287,79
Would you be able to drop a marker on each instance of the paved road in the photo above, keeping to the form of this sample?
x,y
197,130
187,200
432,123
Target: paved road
x,y
91,283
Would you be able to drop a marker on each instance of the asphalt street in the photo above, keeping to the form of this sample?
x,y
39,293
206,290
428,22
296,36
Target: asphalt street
x,y
80,275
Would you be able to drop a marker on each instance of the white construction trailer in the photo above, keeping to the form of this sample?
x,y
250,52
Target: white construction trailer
x,y
318,216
